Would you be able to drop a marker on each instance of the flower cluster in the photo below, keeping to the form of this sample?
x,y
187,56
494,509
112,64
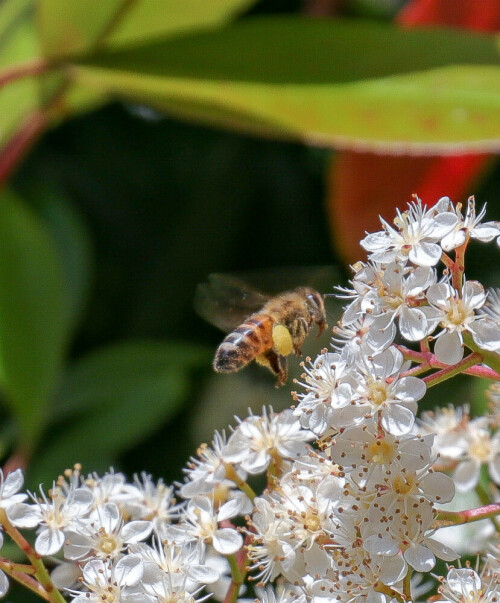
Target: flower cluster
x,y
355,480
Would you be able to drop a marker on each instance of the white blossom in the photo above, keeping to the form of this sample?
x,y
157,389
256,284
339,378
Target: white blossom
x,y
52,514
258,438
202,522
470,226
104,534
104,581
456,314
416,236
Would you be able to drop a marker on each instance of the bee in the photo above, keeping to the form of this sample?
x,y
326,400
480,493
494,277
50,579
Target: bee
x,y
261,328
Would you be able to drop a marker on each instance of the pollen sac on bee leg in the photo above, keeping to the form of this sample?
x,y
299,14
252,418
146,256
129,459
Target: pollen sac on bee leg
x,y
282,340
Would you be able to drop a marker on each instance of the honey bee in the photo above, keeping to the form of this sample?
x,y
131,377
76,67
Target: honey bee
x,y
261,328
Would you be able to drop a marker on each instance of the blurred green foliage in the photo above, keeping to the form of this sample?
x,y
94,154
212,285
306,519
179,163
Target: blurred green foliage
x,y
117,214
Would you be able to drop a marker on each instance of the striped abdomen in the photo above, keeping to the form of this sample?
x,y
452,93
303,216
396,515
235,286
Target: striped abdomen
x,y
251,338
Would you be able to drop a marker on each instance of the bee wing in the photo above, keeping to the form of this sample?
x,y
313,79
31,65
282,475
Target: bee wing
x,y
284,278
226,301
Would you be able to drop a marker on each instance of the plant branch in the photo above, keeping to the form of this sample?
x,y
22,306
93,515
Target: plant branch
x,y
456,518
451,371
239,568
35,66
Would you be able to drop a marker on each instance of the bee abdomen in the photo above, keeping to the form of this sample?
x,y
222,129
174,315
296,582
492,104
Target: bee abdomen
x,y
241,346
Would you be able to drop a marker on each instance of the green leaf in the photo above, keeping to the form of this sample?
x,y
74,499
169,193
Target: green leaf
x,y
148,19
336,83
33,316
114,398
69,232
75,27
18,44
72,27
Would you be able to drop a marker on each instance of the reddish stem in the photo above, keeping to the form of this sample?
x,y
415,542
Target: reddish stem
x,y
241,559
17,147
428,361
455,369
36,66
460,517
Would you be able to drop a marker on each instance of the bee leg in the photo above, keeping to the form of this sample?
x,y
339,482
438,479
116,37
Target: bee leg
x,y
263,360
276,363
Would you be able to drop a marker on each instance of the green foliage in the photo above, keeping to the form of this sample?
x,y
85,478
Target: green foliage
x,y
34,316
115,397
67,28
18,44
329,81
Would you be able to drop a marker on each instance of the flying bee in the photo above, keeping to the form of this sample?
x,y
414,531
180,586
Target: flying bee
x,y
261,328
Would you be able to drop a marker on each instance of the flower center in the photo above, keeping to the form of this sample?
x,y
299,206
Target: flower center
x,y
381,452
378,392
107,543
312,522
481,449
456,314
403,484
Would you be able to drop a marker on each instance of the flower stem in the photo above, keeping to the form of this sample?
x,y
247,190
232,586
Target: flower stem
x,y
451,371
407,584
238,563
456,518
492,359
21,574
40,572
242,484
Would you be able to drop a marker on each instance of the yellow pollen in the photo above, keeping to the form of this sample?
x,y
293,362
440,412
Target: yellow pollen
x,y
481,450
403,485
107,544
221,493
312,523
381,452
378,392
457,314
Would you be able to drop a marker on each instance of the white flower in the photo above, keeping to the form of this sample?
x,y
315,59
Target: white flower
x,y
399,292
492,305
417,237
480,448
106,582
108,488
470,226
208,472
279,595
407,533
182,562
464,585
203,524
364,336
53,515
456,314
448,425
257,440
145,499
486,332
325,390
378,389
368,456
104,535
269,550
9,488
